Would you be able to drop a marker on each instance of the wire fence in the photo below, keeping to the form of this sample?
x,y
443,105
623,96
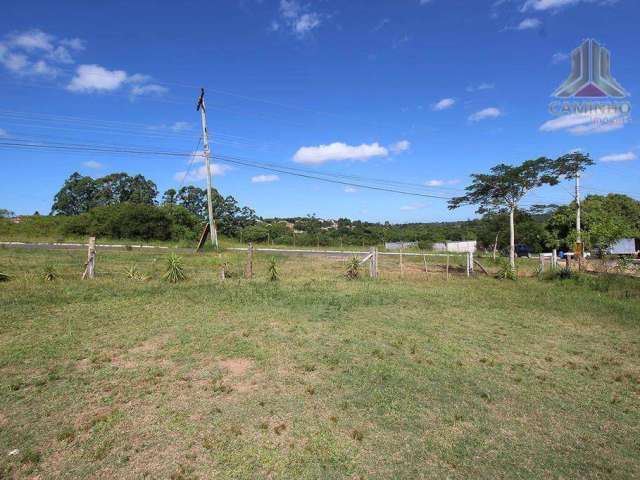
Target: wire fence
x,y
111,262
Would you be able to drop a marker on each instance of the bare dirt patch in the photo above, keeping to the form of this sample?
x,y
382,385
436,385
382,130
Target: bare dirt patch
x,y
236,366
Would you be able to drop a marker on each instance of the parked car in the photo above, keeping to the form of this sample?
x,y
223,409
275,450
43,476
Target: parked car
x,y
523,250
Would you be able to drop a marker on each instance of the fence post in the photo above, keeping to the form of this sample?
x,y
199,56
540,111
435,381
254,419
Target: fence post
x,y
426,269
401,262
554,259
541,263
373,263
447,266
468,271
248,273
89,270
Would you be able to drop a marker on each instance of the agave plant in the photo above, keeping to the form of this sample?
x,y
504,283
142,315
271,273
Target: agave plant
x,y
507,272
353,269
49,273
175,269
274,274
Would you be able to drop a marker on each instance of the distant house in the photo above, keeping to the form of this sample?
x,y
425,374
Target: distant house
x,y
626,246
400,245
456,247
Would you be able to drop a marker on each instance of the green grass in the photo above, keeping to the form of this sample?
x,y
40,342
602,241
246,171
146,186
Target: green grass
x,y
313,376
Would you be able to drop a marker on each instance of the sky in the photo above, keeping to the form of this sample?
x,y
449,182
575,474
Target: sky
x,y
417,93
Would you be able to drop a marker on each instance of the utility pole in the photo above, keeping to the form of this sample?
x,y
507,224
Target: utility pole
x,y
578,227
205,140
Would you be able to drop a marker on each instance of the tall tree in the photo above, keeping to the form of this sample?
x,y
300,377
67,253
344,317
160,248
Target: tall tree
x,y
77,195
504,187
169,197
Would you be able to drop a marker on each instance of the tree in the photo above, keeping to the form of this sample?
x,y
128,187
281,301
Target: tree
x,y
169,197
605,211
80,194
570,166
121,187
77,195
504,188
4,213
193,199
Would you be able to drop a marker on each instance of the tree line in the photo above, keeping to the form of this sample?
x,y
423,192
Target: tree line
x,y
123,206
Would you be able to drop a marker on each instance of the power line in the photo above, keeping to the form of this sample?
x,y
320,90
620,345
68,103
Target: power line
x,y
222,158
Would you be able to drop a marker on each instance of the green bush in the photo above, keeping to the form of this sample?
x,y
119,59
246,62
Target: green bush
x,y
135,221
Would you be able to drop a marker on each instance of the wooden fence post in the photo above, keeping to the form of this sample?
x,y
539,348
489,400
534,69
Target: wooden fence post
x,y
447,266
426,268
401,262
373,262
90,266
248,273
554,259
541,263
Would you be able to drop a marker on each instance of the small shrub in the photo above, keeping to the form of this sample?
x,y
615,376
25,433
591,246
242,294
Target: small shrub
x,y
353,269
134,274
565,273
49,273
4,277
507,272
274,275
175,269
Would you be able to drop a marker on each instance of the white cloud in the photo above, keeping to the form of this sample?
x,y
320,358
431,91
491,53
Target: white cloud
x,y
150,89
350,190
94,78
559,57
444,104
73,43
297,17
265,178
487,113
585,123
481,87
543,5
399,147
92,164
200,173
181,126
528,24
413,206
440,183
338,152
619,157
32,40
306,23
34,52
16,62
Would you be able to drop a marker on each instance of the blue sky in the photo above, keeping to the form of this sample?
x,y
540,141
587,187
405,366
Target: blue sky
x,y
425,92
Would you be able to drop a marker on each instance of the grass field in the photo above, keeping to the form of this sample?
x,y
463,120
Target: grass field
x,y
313,376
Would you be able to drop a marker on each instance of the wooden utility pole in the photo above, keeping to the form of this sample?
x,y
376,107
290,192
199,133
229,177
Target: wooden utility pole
x,y
90,266
205,141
